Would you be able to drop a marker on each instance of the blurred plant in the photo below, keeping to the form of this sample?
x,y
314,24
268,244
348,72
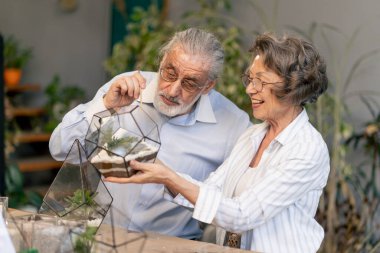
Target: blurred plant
x,y
14,179
365,181
346,229
60,100
148,30
14,184
14,55
83,242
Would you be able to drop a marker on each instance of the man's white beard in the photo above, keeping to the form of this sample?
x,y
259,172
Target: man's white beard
x,y
173,110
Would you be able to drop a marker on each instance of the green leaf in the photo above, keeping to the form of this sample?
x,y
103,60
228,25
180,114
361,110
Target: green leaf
x,y
14,178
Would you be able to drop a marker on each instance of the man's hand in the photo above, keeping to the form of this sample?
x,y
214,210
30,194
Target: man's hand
x,y
124,90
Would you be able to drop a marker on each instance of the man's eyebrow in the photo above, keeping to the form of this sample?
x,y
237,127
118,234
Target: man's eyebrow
x,y
191,78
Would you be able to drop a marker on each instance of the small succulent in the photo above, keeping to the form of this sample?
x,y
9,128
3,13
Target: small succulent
x,y
81,196
126,142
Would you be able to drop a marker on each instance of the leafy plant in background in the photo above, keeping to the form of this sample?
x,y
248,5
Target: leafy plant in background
x,y
14,179
14,55
347,229
365,181
14,184
60,100
147,31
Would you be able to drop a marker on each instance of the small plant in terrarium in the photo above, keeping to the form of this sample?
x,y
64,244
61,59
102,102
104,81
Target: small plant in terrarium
x,y
117,143
84,205
81,196
117,137
77,192
83,242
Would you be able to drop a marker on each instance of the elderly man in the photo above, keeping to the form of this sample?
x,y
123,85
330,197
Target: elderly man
x,y
198,128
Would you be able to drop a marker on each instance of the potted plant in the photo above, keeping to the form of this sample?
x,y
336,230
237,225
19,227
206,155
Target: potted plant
x,y
60,99
15,58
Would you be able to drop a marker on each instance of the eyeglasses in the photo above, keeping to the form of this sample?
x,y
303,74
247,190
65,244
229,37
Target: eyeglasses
x,y
257,83
169,75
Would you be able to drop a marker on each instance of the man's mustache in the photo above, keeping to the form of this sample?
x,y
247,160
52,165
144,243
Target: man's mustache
x,y
170,98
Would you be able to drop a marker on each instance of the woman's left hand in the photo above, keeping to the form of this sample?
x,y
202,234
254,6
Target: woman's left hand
x,y
147,173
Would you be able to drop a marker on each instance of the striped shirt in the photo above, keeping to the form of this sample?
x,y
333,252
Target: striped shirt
x,y
276,212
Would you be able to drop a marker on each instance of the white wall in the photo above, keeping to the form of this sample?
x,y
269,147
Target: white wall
x,y
72,45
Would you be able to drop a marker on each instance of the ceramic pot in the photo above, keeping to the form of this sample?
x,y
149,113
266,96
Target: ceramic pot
x,y
12,76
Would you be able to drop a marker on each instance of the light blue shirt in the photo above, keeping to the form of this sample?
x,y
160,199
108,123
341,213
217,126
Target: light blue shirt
x,y
194,144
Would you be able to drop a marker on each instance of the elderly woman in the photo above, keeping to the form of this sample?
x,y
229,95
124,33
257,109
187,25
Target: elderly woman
x,y
266,193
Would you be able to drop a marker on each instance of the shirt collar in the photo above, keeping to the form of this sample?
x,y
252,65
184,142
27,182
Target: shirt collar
x,y
202,112
291,130
287,134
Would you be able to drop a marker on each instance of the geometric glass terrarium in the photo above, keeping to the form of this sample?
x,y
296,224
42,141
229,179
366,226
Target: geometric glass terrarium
x,y
78,192
109,239
42,233
115,137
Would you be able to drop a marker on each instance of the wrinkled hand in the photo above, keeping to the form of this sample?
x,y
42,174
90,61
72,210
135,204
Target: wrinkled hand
x,y
124,90
147,173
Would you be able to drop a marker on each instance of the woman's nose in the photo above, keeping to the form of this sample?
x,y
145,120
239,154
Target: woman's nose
x,y
250,89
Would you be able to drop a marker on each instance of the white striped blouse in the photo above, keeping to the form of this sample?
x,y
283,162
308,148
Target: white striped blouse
x,y
276,212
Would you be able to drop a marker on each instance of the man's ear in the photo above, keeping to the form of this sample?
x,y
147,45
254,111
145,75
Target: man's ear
x,y
210,85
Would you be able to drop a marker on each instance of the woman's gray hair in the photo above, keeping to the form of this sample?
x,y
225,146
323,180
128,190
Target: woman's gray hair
x,y
297,62
198,42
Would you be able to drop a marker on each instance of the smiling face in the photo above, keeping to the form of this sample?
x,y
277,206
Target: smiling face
x,y
172,99
265,105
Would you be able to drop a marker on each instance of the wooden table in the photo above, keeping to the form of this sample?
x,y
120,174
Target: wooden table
x,y
116,239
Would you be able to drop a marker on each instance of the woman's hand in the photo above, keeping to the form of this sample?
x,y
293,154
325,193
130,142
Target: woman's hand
x,y
147,173
124,90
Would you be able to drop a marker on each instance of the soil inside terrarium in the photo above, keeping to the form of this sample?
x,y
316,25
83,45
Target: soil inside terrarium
x,y
110,164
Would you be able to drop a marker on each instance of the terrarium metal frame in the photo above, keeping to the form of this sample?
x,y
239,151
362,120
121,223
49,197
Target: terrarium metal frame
x,y
78,191
34,233
117,136
112,247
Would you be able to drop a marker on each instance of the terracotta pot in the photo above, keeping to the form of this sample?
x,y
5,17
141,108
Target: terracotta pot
x,y
12,76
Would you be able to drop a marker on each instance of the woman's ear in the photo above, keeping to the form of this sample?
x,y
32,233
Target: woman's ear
x,y
210,85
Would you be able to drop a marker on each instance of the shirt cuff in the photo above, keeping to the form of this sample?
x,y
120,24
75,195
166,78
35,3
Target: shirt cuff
x,y
168,195
207,203
178,199
94,106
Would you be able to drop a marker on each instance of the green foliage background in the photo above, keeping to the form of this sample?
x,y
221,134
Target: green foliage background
x,y
147,31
